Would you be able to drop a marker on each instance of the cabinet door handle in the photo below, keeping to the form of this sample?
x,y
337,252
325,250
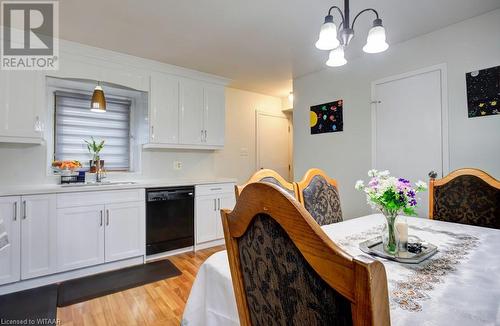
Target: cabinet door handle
x,y
107,217
25,210
205,135
152,132
218,204
101,217
15,211
215,204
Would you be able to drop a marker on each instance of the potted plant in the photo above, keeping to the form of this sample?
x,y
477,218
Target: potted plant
x,y
392,196
95,149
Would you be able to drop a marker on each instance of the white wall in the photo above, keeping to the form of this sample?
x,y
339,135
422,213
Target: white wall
x,y
240,132
21,164
467,46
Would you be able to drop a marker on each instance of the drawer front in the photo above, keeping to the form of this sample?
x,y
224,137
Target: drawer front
x,y
78,199
214,189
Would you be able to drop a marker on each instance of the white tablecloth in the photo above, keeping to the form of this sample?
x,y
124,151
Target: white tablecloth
x,y
460,285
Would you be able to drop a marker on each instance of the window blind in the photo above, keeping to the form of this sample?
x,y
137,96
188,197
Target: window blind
x,y
74,123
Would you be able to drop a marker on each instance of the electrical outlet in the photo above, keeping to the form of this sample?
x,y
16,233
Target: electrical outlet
x,y
177,165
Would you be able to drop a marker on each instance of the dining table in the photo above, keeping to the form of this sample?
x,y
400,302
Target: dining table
x,y
459,285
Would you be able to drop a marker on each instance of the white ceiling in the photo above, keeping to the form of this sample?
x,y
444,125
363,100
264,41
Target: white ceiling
x,y
260,44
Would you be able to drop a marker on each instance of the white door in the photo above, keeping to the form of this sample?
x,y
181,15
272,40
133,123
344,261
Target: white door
x,y
191,112
10,257
226,201
38,235
80,237
407,127
273,137
214,111
206,211
19,103
164,109
125,231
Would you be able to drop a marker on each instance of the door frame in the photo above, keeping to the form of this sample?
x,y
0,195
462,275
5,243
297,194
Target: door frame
x,y
257,145
442,68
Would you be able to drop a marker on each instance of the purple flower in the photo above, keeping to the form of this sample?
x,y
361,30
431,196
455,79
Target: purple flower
x,y
411,193
403,180
413,202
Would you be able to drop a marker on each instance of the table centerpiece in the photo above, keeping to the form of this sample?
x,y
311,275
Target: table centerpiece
x,y
392,196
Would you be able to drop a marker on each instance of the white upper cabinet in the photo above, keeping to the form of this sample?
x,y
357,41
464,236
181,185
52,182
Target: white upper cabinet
x,y
20,105
214,114
191,112
164,97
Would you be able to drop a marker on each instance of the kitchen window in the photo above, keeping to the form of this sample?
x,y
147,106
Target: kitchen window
x,y
74,123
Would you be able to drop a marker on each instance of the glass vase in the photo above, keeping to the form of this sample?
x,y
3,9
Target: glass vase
x,y
389,233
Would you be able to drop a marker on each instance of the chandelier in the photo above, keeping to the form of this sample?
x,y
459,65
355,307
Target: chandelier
x,y
336,40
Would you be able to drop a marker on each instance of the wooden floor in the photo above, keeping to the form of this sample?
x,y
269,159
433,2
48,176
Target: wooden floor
x,y
159,303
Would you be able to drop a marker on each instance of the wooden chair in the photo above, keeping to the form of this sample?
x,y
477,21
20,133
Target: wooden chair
x,y
286,271
269,176
467,196
319,195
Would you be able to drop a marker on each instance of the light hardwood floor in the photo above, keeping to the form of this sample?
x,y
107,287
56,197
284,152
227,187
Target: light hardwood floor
x,y
159,303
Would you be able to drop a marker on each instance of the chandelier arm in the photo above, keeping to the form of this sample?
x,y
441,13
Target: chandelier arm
x,y
361,12
339,10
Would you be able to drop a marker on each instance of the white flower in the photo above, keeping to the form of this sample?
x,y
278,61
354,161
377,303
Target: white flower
x,y
372,173
359,185
384,173
421,185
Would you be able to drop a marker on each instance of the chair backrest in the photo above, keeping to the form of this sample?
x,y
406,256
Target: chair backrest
x,y
286,271
467,196
269,176
319,195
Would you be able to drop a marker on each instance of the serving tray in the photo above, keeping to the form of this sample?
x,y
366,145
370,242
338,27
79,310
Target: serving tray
x,y
375,247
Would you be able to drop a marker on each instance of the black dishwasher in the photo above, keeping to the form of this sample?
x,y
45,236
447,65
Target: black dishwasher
x,y
169,219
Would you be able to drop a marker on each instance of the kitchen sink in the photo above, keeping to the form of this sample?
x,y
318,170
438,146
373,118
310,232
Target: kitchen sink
x,y
103,183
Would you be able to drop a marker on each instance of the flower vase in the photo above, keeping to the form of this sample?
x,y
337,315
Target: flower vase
x,y
389,233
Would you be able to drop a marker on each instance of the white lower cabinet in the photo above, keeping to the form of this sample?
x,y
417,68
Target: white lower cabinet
x,y
80,237
38,235
30,222
210,199
10,257
125,231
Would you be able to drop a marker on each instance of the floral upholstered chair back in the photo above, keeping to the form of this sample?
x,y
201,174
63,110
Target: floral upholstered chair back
x,y
467,196
319,195
286,271
269,176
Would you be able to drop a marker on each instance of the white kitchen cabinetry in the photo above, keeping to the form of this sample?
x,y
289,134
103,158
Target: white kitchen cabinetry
x,y
19,106
38,235
125,230
80,237
214,114
186,113
31,224
210,199
97,228
164,114
191,127
10,257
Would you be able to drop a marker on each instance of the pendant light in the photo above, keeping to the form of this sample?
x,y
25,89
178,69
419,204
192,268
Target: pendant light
x,y
337,40
98,102
375,42
336,57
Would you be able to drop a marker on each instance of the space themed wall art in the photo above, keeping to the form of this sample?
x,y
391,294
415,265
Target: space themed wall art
x,y
483,92
327,117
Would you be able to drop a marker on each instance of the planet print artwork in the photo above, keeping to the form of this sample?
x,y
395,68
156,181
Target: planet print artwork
x,y
327,117
483,92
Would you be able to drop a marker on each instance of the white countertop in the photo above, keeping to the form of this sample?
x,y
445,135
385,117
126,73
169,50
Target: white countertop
x,y
14,190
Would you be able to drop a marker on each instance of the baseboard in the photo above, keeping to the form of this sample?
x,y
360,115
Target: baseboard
x,y
209,244
162,255
64,276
